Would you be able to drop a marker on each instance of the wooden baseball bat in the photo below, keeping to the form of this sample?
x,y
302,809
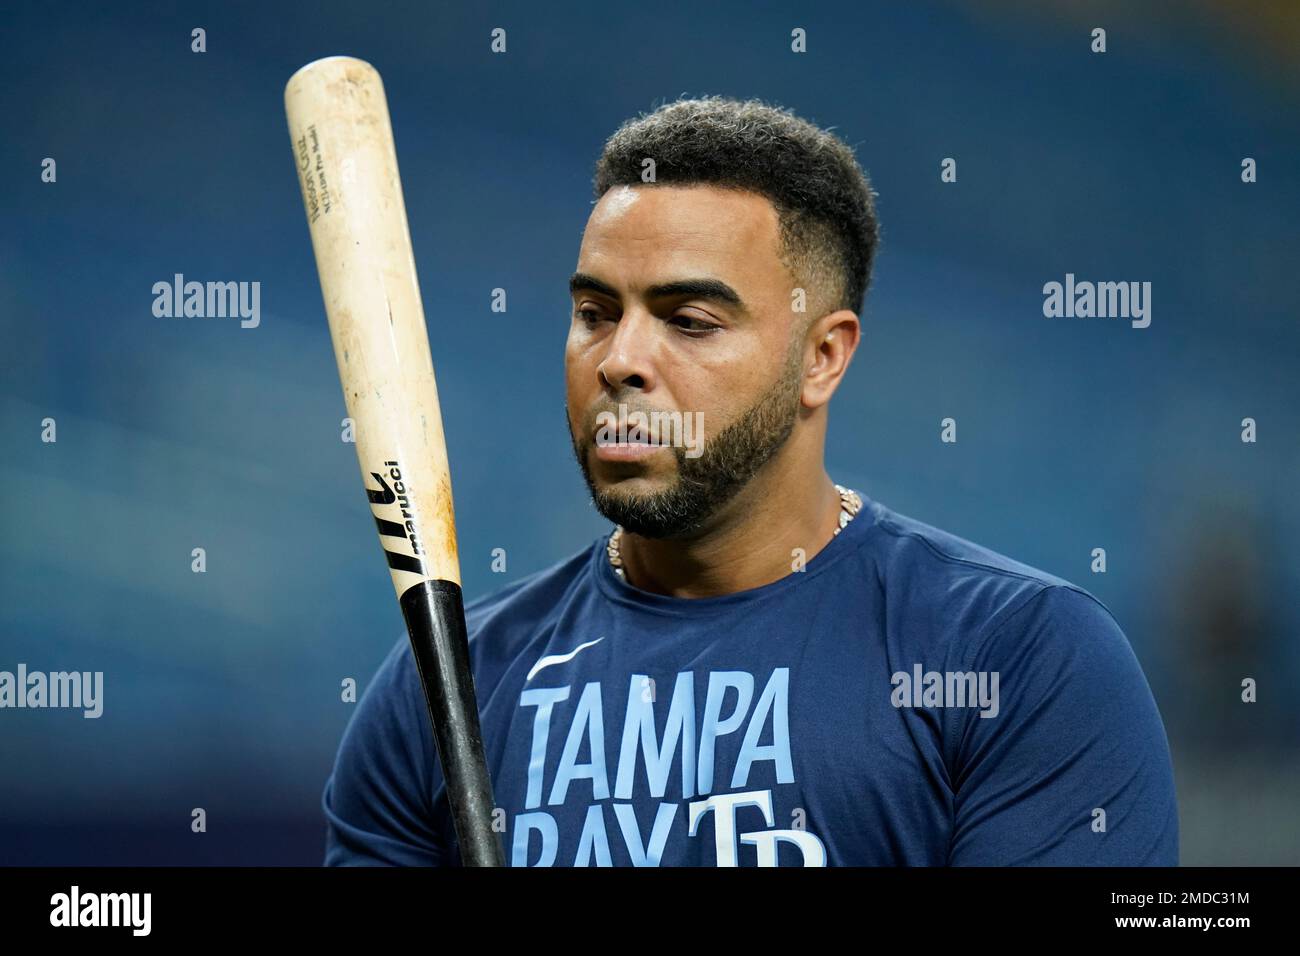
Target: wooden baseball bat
x,y
347,166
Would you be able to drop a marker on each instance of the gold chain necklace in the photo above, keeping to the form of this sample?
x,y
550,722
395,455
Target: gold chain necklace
x,y
850,505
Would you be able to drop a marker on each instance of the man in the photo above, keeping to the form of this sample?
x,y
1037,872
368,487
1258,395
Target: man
x,y
758,667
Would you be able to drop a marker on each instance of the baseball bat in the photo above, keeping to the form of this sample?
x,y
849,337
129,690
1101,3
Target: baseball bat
x,y
347,167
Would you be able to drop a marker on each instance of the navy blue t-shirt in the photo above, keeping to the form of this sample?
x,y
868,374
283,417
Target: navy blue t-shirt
x,y
908,698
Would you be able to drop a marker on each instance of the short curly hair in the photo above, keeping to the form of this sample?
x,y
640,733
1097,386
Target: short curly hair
x,y
824,201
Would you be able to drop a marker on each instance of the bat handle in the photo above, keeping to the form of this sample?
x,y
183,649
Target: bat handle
x,y
435,620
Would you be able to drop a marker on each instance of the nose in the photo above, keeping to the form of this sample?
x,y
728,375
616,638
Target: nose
x,y
629,357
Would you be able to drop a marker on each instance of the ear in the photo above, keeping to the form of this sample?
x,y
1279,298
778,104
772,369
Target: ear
x,y
828,346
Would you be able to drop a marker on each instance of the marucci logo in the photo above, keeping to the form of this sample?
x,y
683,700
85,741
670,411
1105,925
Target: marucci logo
x,y
385,496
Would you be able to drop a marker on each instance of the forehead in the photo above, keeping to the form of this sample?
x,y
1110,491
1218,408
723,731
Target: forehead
x,y
664,228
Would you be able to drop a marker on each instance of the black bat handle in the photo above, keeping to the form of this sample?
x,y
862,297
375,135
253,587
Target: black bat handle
x,y
435,620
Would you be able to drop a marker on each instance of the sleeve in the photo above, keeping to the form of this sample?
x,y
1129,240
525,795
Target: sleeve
x,y
377,800
1074,767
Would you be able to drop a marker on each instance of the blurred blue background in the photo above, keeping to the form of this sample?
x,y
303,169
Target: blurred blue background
x,y
223,688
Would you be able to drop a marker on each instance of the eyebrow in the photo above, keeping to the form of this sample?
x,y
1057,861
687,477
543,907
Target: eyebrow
x,y
714,290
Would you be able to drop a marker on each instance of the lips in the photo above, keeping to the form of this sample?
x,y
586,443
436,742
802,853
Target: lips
x,y
618,440
634,437
623,433
627,451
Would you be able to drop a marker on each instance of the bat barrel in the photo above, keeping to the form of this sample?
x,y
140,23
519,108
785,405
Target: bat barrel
x,y
347,166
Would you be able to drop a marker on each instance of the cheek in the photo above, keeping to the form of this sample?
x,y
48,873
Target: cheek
x,y
580,343
579,373
712,406
573,357
725,391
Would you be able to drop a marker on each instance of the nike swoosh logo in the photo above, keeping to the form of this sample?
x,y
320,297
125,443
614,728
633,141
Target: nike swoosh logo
x,y
550,659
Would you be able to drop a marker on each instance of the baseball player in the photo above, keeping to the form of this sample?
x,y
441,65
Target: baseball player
x,y
758,666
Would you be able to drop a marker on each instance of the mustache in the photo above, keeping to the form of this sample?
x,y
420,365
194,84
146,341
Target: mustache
x,y
622,412
626,409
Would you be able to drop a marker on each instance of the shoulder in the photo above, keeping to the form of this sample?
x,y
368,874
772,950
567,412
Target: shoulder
x,y
965,594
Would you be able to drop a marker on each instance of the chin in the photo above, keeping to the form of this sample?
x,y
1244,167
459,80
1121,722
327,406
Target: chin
x,y
632,488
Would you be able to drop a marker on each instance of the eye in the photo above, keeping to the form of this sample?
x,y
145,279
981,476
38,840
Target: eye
x,y
589,316
693,326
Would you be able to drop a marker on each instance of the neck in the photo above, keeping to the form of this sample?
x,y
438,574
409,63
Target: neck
x,y
748,543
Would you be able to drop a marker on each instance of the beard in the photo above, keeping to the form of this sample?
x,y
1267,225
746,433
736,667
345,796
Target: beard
x,y
704,484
